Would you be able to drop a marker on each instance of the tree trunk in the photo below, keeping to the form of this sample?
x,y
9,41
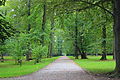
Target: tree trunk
x,y
76,50
113,2
104,55
76,37
51,34
2,57
50,50
27,57
48,55
19,61
117,35
29,8
114,56
59,42
83,53
43,22
36,61
114,50
84,56
29,27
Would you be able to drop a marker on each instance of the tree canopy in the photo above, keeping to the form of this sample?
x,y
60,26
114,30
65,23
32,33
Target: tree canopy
x,y
45,28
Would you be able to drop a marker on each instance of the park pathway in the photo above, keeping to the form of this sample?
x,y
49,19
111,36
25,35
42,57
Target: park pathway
x,y
62,69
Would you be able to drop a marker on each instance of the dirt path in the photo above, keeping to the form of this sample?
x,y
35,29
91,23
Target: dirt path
x,y
62,69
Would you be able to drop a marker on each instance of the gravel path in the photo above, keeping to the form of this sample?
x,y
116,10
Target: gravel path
x,y
62,69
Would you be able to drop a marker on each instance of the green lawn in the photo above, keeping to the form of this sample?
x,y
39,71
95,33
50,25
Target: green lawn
x,y
94,65
9,69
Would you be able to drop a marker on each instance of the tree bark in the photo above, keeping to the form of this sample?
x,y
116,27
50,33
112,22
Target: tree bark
x,y
29,27
48,55
117,35
27,56
59,42
2,57
83,53
84,56
51,34
29,8
104,55
43,21
76,37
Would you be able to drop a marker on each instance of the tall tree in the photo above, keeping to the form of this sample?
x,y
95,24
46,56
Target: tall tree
x,y
103,43
44,21
117,34
76,37
51,34
28,30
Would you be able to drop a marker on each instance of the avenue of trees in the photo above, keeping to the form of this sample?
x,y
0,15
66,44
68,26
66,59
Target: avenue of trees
x,y
45,28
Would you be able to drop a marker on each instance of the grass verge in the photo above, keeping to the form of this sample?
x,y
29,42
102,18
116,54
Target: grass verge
x,y
9,69
94,65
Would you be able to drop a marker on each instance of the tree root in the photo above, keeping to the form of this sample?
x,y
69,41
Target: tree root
x,y
114,75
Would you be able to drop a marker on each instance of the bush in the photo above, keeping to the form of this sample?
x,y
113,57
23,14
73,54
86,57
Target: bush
x,y
16,47
38,52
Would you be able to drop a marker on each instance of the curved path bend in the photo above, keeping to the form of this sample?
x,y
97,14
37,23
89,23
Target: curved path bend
x,y
61,69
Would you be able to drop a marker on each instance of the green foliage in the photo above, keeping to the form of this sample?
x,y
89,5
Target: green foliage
x,y
89,23
23,32
16,46
6,30
2,48
2,2
39,51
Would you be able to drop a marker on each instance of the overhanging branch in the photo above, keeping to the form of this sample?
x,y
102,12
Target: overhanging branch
x,y
97,4
88,7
